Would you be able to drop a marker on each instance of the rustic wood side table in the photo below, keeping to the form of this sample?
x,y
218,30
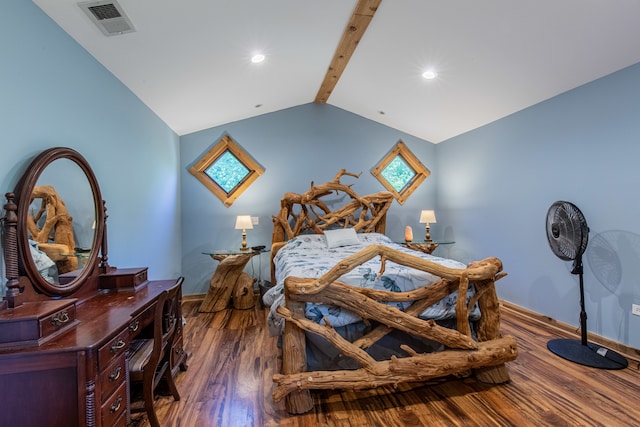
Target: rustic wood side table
x,y
229,282
426,247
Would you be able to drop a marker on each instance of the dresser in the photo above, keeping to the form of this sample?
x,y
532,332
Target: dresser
x,y
79,377
67,316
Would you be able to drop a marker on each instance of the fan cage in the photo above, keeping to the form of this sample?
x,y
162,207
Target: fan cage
x,y
567,230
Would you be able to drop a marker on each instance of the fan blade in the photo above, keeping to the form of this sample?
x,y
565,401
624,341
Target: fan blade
x,y
567,230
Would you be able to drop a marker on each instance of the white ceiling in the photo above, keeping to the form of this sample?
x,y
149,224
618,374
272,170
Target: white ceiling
x,y
189,59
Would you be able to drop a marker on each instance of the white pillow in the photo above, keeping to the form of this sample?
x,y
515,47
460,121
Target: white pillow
x,y
341,237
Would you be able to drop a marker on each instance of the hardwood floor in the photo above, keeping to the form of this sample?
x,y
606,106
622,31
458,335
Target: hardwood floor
x,y
232,359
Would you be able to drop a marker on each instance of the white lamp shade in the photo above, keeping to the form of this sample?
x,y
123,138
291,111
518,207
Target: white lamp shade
x,y
428,216
243,222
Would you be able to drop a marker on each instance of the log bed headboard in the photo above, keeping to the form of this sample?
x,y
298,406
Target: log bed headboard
x,y
307,213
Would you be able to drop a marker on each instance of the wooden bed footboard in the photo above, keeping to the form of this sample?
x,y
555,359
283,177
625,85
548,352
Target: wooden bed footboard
x,y
462,356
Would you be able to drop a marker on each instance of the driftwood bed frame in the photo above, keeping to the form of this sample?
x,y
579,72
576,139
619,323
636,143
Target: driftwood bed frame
x,y
463,356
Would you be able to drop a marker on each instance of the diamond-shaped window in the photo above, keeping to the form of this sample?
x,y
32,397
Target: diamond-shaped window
x,y
226,170
400,172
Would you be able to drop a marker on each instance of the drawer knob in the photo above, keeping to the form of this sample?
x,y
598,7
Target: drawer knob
x,y
115,406
60,318
134,326
115,374
117,346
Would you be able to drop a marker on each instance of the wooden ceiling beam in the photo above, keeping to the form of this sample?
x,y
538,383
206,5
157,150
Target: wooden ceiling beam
x,y
358,23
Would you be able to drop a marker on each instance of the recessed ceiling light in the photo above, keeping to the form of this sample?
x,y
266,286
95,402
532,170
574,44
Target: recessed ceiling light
x,y
257,58
429,74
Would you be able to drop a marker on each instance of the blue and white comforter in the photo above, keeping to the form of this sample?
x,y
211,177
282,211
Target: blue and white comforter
x,y
308,256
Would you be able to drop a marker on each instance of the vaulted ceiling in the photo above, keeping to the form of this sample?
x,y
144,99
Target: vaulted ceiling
x,y
189,60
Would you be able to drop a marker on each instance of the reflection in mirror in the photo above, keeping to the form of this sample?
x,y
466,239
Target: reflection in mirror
x,y
61,220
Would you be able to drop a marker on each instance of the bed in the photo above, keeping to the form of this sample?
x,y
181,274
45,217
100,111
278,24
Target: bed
x,y
356,310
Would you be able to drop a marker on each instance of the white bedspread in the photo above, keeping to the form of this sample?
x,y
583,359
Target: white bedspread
x,y
308,256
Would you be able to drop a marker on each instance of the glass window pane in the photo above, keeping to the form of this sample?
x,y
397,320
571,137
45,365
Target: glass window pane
x,y
227,171
398,173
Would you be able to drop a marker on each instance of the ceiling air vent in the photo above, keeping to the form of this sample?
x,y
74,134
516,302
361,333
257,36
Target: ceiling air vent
x,y
108,16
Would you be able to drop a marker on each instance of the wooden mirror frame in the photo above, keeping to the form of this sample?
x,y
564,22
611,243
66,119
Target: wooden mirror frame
x,y
24,265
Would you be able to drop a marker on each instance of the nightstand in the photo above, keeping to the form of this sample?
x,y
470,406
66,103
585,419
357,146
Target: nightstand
x,y
229,282
426,247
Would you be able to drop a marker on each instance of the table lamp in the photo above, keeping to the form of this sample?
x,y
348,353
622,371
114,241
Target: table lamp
x,y
427,217
243,222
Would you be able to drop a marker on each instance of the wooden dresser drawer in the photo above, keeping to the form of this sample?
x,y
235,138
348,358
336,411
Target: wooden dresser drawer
x,y
112,349
114,408
34,323
140,321
124,278
58,320
177,350
112,377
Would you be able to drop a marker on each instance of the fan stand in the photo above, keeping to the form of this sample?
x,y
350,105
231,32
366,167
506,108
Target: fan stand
x,y
581,351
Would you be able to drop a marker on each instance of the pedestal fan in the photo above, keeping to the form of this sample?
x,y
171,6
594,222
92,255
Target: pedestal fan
x,y
568,234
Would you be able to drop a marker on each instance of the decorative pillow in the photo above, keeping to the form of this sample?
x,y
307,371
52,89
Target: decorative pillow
x,y
341,237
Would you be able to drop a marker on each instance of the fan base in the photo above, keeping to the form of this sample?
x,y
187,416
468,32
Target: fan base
x,y
590,354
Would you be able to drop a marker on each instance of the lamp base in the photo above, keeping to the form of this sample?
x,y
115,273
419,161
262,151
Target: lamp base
x,y
244,246
590,354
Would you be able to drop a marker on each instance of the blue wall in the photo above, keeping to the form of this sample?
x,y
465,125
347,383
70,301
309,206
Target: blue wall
x,y
497,182
295,146
490,187
53,93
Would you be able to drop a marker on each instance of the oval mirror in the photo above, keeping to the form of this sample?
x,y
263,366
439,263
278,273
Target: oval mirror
x,y
60,221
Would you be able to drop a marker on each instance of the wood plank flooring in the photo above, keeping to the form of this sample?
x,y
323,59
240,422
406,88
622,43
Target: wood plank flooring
x,y
232,359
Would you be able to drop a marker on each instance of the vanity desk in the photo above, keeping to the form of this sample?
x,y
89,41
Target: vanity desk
x,y
64,333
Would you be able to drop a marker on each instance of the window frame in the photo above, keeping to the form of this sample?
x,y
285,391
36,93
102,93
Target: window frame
x,y
422,173
224,144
